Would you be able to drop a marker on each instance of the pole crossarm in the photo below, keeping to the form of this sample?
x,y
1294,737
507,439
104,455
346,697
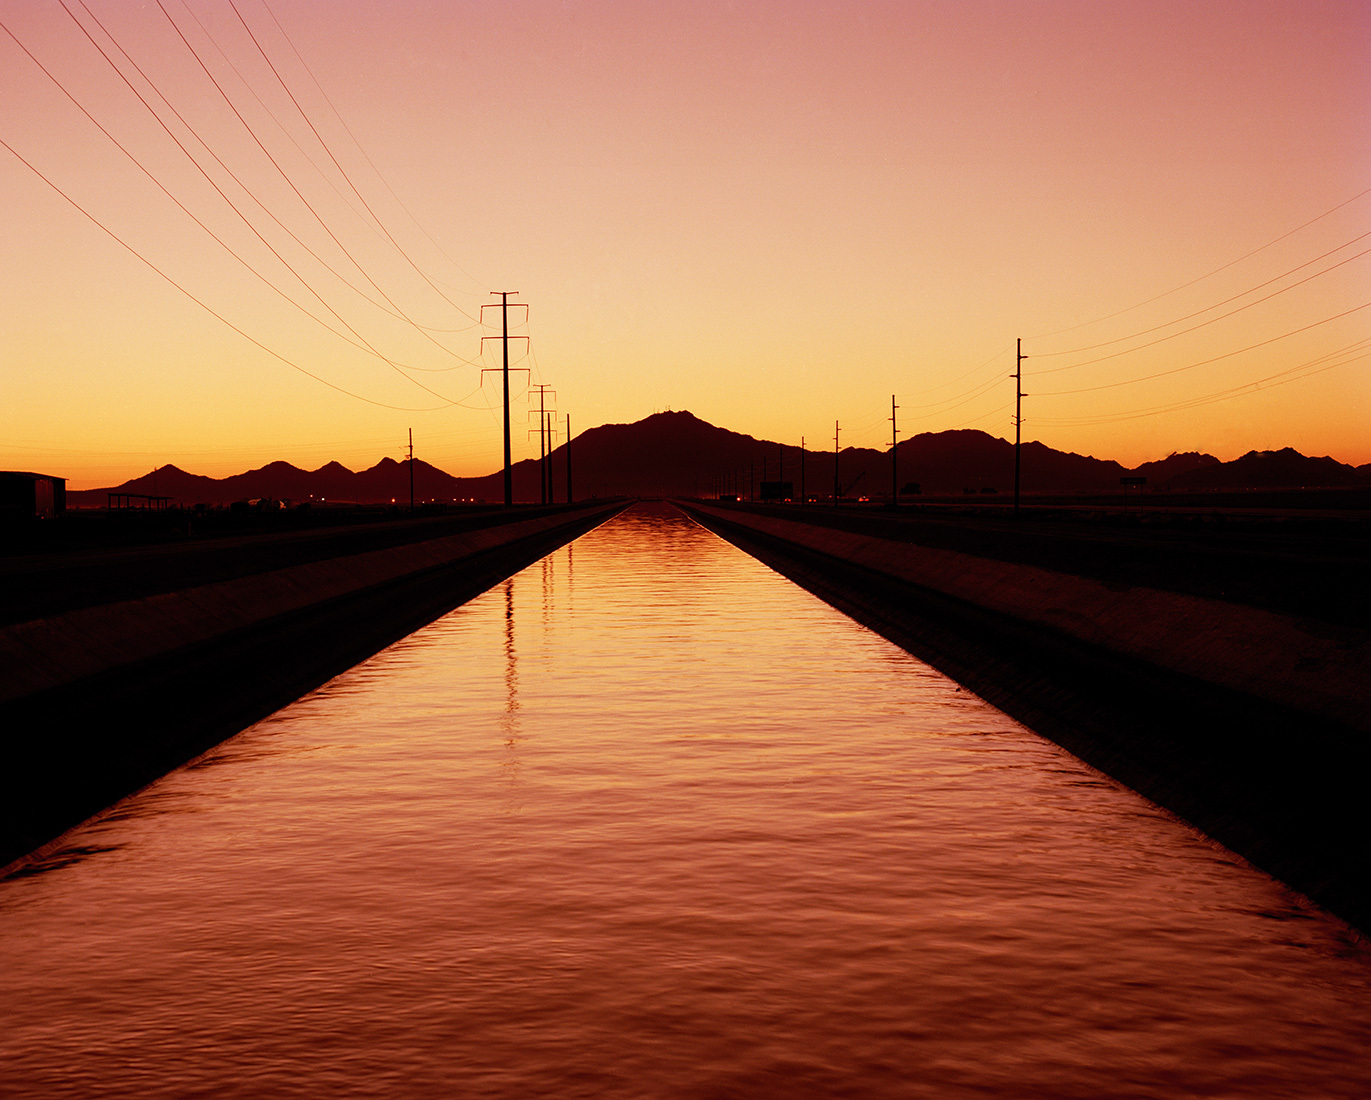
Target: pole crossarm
x,y
512,305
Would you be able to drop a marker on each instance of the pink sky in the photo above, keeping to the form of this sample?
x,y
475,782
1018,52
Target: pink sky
x,y
774,215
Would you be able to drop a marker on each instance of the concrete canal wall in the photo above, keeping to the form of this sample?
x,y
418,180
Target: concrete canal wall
x,y
98,700
1250,723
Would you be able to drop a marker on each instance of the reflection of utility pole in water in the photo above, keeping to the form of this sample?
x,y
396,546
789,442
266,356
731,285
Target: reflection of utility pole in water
x,y
511,664
509,721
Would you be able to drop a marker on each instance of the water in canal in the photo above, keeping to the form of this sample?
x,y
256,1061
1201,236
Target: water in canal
x,y
649,821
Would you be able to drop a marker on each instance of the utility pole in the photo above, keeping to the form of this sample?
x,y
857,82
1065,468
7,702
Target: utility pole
x,y
569,497
504,340
544,441
551,484
894,462
780,466
803,498
837,488
411,471
1018,416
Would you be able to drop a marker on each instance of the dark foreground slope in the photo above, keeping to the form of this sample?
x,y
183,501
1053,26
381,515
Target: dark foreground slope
x,y
117,666
1225,676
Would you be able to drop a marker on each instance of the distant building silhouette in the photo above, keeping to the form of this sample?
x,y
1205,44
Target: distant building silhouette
x,y
25,496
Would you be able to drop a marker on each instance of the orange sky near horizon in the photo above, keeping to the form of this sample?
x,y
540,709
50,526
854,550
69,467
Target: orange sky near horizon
x,y
774,215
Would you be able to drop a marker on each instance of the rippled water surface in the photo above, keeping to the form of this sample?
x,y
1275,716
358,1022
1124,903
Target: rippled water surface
x,y
648,820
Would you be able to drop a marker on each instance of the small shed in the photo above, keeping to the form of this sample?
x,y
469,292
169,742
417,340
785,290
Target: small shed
x,y
31,496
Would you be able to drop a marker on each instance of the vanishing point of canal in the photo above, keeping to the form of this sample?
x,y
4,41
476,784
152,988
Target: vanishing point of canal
x,y
647,820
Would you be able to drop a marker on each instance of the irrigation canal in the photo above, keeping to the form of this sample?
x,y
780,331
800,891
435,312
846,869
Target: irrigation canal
x,y
648,820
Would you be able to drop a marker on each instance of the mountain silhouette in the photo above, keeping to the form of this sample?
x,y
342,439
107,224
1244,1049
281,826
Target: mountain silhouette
x,y
678,454
1283,469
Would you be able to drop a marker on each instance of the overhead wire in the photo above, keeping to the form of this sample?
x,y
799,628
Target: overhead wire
x,y
362,149
953,381
286,176
1256,386
982,416
219,240
954,402
248,191
1208,274
1204,324
286,132
940,408
203,305
1206,362
342,171
1283,377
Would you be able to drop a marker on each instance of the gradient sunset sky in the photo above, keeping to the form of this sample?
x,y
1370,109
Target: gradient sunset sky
x,y
774,215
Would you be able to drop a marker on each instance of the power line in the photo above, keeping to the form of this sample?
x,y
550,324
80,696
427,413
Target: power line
x,y
957,402
1212,320
1209,274
208,309
341,170
229,249
248,191
1206,362
291,183
953,381
1234,391
362,149
982,416
309,157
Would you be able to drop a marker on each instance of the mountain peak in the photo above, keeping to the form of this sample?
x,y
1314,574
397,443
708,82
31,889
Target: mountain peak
x,y
676,453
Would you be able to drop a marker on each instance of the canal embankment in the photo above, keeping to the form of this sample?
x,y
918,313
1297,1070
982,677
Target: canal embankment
x,y
1224,676
118,665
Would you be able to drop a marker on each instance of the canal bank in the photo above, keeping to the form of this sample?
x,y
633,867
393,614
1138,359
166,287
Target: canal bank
x,y
130,664
1248,721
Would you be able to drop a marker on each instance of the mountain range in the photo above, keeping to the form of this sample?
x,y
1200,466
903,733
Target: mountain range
x,y
678,454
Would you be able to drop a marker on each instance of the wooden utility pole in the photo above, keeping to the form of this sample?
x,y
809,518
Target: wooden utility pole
x,y
837,486
1018,416
803,498
551,488
544,444
894,462
411,469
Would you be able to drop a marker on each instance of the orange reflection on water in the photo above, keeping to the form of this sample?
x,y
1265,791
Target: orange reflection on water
x,y
661,825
